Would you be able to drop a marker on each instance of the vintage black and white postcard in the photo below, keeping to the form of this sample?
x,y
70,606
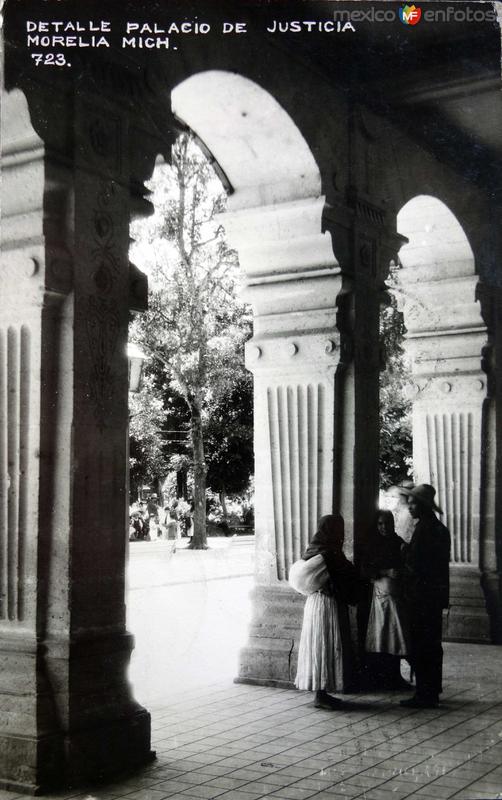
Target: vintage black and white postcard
x,y
250,399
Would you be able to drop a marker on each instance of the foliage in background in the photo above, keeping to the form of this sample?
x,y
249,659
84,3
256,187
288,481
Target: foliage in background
x,y
195,327
228,434
147,455
395,405
196,404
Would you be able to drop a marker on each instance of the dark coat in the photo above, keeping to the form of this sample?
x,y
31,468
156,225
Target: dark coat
x,y
426,565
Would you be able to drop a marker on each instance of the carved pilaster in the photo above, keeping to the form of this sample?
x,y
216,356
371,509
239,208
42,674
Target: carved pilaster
x,y
447,422
445,339
66,711
364,234
292,281
294,402
32,297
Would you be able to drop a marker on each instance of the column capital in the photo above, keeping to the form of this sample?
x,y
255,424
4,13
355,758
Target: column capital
x,y
298,354
292,280
281,241
446,334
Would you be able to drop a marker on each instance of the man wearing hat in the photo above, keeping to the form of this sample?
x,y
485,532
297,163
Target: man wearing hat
x,y
426,578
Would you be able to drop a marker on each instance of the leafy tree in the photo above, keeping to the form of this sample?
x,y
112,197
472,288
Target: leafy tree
x,y
229,442
147,458
195,327
395,406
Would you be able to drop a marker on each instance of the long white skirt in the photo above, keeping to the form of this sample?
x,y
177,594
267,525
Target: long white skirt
x,y
324,652
388,630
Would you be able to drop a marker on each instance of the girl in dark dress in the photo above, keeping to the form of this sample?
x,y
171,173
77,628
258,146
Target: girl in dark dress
x,y
387,633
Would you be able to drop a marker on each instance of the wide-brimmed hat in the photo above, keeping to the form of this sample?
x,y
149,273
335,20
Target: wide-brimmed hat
x,y
425,494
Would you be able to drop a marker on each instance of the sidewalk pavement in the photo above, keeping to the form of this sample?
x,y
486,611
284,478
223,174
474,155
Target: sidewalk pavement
x,y
241,742
195,607
246,742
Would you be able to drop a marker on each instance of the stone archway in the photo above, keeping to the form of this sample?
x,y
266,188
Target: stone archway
x,y
73,173
251,137
445,340
292,281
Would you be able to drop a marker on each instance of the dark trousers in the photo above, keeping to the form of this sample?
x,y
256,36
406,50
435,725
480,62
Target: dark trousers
x,y
426,622
383,671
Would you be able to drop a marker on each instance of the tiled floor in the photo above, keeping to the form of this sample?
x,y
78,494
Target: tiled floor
x,y
240,742
250,742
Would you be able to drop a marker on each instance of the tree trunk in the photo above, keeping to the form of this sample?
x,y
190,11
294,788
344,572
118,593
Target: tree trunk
x,y
199,538
223,501
181,484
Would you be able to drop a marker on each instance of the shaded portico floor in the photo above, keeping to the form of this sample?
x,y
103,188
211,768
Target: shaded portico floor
x,y
248,742
239,742
214,738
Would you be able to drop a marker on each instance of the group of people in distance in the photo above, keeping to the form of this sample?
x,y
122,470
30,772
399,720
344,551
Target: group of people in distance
x,y
400,618
148,520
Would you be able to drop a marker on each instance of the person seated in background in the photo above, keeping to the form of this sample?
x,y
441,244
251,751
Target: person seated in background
x,y
136,526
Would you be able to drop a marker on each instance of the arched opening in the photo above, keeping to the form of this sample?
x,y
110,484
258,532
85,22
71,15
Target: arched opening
x,y
274,222
445,336
251,137
291,278
190,438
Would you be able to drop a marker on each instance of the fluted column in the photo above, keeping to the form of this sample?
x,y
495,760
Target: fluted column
x,y
294,400
66,710
29,731
445,339
292,281
490,298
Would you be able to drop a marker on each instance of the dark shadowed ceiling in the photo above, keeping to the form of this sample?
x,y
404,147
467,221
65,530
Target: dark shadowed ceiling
x,y
445,75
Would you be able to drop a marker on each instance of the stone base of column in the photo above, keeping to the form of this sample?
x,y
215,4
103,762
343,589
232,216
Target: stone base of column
x,y
31,744
29,765
68,719
270,657
37,765
492,587
112,749
467,619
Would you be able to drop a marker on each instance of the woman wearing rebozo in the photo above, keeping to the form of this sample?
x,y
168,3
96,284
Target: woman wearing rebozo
x,y
330,582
